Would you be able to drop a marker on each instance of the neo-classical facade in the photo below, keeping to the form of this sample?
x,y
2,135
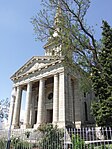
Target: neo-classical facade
x,y
52,92
52,95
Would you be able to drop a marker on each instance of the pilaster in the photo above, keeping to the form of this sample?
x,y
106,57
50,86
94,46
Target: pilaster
x,y
67,117
56,99
70,99
61,122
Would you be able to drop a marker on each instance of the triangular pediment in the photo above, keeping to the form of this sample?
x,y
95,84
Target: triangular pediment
x,y
36,62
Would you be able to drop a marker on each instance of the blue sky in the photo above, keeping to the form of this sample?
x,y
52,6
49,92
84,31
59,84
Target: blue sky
x,y
17,40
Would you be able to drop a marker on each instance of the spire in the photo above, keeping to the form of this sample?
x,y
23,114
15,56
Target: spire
x,y
58,19
50,48
58,15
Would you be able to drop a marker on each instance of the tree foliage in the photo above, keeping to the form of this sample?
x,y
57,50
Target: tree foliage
x,y
102,80
77,39
4,108
75,36
103,112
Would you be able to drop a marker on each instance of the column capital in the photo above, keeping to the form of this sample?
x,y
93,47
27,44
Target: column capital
x,y
13,93
43,79
56,74
30,83
61,73
19,87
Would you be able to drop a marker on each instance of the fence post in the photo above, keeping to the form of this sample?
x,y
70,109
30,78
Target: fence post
x,y
10,124
64,138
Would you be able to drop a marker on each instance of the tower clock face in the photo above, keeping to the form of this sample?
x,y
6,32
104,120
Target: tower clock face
x,y
50,96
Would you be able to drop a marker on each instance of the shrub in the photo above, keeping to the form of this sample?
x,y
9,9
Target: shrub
x,y
77,142
2,144
23,145
52,137
19,144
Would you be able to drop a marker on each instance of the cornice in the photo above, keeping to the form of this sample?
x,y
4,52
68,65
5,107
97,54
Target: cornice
x,y
16,77
38,77
34,58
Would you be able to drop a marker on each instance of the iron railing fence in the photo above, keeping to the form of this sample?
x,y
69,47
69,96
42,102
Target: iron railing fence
x,y
89,138
69,138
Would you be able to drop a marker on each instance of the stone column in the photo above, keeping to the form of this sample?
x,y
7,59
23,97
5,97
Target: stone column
x,y
56,99
41,100
11,109
32,112
61,122
70,100
67,116
28,104
16,118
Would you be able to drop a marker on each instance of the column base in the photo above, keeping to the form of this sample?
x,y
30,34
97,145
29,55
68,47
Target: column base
x,y
15,127
25,126
61,124
54,123
37,125
70,124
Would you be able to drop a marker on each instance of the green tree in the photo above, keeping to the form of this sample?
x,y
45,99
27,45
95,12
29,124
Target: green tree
x,y
67,18
4,108
102,80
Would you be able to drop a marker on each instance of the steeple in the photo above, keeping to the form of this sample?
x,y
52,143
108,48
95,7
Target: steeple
x,y
50,48
58,19
58,15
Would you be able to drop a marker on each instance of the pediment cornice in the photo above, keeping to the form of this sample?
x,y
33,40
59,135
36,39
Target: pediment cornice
x,y
36,63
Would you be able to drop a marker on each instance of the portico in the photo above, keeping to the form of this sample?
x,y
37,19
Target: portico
x,y
44,95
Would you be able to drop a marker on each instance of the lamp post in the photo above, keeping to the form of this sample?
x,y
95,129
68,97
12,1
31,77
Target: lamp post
x,y
13,95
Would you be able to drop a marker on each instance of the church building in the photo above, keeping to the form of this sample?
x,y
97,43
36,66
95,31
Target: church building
x,y
52,92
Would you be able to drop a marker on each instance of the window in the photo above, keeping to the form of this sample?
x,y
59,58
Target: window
x,y
84,94
86,113
50,96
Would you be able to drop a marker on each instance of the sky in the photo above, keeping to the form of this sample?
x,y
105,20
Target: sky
x,y
17,39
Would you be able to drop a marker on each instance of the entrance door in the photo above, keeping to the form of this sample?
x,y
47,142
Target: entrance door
x,y
35,116
49,116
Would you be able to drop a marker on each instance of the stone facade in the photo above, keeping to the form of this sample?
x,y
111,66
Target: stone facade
x,y
52,91
52,95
